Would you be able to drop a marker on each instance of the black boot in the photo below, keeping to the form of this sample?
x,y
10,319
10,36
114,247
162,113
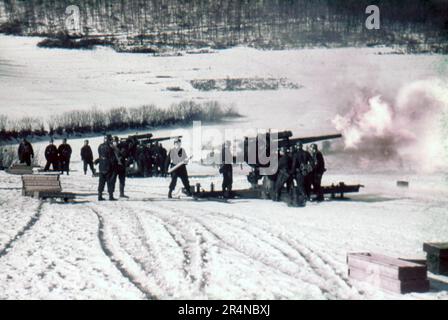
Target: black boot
x,y
170,194
100,197
111,197
122,195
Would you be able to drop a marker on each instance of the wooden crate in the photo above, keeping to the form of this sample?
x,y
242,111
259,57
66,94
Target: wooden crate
x,y
390,284
437,257
44,187
388,273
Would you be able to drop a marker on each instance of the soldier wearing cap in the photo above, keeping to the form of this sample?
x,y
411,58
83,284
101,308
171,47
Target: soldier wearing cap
x,y
121,154
283,174
25,152
107,163
87,157
299,169
65,153
51,155
226,169
178,156
317,172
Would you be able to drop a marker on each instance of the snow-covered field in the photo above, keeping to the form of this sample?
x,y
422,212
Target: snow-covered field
x,y
151,247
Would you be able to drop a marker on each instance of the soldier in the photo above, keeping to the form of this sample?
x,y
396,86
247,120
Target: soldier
x,y
65,153
163,156
141,160
318,171
51,155
283,175
308,179
25,152
148,161
154,151
107,163
299,169
1,160
226,169
120,150
87,157
177,155
5,160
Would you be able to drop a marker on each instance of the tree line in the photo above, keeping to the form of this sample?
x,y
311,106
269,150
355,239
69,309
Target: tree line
x,y
131,24
95,121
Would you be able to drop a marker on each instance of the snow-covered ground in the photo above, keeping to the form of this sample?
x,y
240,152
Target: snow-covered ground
x,y
151,247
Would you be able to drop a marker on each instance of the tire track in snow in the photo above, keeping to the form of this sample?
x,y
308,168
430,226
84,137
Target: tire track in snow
x,y
143,258
186,256
304,251
34,218
250,255
118,264
188,251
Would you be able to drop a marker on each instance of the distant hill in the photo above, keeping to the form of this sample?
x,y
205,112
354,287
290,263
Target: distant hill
x,y
150,26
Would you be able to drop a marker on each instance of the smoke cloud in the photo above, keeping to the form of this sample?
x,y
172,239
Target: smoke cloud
x,y
410,130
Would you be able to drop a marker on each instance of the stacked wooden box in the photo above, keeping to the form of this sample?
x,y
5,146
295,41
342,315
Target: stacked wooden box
x,y
437,257
390,274
20,169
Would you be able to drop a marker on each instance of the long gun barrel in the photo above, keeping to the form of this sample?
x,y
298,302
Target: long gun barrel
x,y
290,142
141,136
151,140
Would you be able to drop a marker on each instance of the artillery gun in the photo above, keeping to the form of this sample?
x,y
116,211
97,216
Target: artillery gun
x,y
264,143
143,151
257,152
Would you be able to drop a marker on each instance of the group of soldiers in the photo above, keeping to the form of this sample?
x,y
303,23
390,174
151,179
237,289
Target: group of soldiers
x,y
116,155
150,159
299,170
58,157
301,167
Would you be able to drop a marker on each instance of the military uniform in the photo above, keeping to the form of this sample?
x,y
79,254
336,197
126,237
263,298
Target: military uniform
x,y
317,173
2,165
143,161
283,175
25,152
226,170
87,158
300,162
107,163
176,156
163,154
51,155
65,153
120,167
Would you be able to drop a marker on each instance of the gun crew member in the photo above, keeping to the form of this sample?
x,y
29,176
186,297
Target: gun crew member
x,y
25,152
318,170
87,157
301,162
283,175
65,153
107,163
121,154
178,157
51,155
226,169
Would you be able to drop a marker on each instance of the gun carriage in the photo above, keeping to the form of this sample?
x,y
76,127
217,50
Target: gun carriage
x,y
256,153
